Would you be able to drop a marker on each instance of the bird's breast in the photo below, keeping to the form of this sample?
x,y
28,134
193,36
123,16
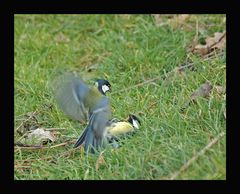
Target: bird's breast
x,y
120,128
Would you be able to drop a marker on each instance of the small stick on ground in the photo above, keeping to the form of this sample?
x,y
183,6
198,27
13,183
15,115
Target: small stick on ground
x,y
195,157
27,147
150,80
32,115
54,129
223,35
18,166
24,121
32,160
161,76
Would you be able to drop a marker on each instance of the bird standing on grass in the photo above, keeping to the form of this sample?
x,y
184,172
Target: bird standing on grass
x,y
117,129
84,103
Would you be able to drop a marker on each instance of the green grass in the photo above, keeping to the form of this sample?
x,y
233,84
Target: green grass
x,y
127,50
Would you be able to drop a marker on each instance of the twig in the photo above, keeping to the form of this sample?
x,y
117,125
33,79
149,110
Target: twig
x,y
195,157
32,160
23,122
22,167
49,158
137,85
151,80
218,40
211,55
61,144
161,76
69,152
27,147
33,114
54,129
30,117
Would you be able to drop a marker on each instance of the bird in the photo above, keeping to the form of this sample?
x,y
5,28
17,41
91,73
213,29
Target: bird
x,y
75,97
86,104
117,129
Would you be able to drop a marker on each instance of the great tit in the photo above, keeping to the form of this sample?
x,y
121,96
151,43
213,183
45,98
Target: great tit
x,y
75,98
84,103
116,129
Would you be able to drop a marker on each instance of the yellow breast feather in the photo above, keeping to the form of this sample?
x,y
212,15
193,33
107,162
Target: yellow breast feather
x,y
120,128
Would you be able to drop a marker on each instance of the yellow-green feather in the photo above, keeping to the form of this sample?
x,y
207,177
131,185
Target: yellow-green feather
x,y
92,97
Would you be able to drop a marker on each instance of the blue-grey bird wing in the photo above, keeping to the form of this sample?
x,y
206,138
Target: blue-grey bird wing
x,y
70,91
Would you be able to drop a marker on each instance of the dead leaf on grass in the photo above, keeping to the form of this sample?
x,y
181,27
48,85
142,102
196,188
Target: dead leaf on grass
x,y
203,91
38,136
217,42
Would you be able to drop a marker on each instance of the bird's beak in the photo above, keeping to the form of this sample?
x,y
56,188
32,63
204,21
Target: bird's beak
x,y
110,90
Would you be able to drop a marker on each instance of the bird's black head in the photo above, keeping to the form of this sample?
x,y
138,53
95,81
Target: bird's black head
x,y
134,121
103,86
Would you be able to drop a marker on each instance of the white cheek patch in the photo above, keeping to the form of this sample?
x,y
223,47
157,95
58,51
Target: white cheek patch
x,y
105,88
135,124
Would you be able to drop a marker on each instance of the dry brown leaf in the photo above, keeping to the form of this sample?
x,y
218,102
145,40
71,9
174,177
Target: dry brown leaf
x,y
218,41
212,43
201,49
203,91
61,38
100,161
